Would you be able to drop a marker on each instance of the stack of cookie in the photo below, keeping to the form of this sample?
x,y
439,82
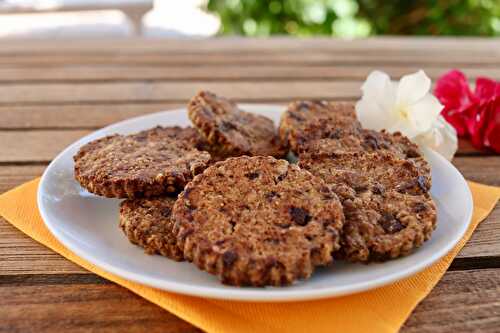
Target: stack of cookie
x,y
222,196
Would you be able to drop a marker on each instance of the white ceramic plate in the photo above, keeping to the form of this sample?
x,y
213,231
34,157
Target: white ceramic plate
x,y
88,225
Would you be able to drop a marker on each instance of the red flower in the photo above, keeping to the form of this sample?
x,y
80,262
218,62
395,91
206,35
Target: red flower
x,y
476,115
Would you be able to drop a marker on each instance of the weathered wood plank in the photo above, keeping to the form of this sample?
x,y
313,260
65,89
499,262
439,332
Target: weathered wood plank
x,y
15,175
260,58
81,307
89,116
64,73
228,44
35,146
462,301
19,254
465,301
174,91
482,169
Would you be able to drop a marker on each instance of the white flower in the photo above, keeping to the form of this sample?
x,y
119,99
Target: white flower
x,y
406,106
442,137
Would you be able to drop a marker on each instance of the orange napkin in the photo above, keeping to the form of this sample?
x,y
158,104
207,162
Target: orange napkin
x,y
381,310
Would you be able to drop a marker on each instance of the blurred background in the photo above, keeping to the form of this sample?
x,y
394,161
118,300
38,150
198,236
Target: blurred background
x,y
204,18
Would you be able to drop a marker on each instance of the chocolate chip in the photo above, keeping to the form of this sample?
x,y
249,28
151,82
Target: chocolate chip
x,y
390,224
227,126
404,187
233,224
271,195
252,175
284,225
412,153
220,242
421,181
281,177
299,215
359,188
166,212
229,257
419,207
335,134
295,116
378,189
372,142
187,192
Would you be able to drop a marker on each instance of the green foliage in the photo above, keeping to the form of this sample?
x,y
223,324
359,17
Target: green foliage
x,y
350,18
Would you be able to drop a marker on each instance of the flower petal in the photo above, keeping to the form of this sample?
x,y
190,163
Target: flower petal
x,y
372,116
424,113
486,89
492,133
374,110
379,89
441,137
452,89
412,87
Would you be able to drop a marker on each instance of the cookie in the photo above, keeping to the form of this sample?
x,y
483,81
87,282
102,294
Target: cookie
x,y
146,222
257,221
231,131
373,171
388,211
149,163
385,226
306,121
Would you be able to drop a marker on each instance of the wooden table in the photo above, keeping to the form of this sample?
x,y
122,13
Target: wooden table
x,y
52,93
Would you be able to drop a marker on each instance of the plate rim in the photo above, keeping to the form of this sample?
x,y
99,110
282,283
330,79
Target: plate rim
x,y
241,294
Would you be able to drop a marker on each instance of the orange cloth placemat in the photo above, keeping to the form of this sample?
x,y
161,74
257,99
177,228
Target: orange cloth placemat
x,y
380,310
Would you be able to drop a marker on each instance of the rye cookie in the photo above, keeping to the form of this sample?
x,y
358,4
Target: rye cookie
x,y
147,223
373,171
385,226
388,211
306,121
257,221
231,131
152,162
373,141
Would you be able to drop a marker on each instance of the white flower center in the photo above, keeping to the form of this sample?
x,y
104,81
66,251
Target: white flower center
x,y
402,111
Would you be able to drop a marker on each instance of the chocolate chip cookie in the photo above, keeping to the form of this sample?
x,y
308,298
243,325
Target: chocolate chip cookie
x,y
306,121
384,226
373,141
257,221
146,222
361,169
387,208
231,131
149,163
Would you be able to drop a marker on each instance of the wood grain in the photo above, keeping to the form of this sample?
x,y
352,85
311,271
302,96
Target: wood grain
x,y
81,307
174,91
451,45
90,116
35,146
259,58
115,72
461,301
